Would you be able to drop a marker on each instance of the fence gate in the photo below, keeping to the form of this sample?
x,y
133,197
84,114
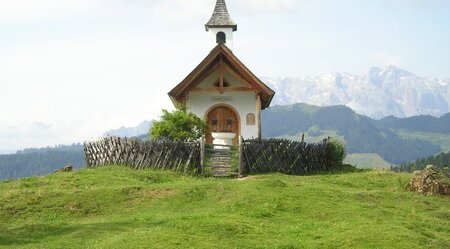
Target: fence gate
x,y
221,160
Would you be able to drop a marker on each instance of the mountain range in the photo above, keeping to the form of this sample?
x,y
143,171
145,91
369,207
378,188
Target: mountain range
x,y
381,92
123,131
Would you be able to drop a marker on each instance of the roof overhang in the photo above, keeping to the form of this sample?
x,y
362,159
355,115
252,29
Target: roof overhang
x,y
233,26
221,54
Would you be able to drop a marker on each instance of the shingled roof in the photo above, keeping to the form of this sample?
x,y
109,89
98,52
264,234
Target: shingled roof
x,y
221,17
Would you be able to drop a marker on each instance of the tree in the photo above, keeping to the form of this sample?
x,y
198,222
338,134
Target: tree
x,y
178,125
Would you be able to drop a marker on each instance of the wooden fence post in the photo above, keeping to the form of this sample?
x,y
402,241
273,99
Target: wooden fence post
x,y
202,155
241,152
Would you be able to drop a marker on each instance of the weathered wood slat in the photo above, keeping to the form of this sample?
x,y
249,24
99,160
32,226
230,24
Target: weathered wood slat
x,y
174,155
280,155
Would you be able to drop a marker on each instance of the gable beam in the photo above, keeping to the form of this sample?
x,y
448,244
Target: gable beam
x,y
205,75
221,73
246,73
236,75
225,89
193,77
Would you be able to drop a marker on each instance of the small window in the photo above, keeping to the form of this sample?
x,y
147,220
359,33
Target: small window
x,y
221,37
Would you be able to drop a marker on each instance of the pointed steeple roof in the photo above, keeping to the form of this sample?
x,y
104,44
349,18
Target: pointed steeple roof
x,y
220,17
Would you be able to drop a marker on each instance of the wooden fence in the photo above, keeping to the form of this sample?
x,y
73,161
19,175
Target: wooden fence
x,y
174,155
286,156
252,156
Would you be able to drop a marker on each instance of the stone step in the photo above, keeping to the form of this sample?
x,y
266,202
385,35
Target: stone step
x,y
222,156
219,151
225,167
220,167
226,160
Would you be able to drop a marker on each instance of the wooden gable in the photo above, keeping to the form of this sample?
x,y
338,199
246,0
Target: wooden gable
x,y
220,62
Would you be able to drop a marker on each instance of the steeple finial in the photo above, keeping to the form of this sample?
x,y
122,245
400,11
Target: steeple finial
x,y
220,17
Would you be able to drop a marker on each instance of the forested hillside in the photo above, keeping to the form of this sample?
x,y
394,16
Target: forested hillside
x,y
361,134
72,147
424,123
441,160
30,162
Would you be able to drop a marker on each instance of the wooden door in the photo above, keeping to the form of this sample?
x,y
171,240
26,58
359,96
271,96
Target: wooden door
x,y
222,119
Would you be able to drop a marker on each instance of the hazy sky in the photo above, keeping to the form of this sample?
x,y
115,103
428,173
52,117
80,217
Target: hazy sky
x,y
72,69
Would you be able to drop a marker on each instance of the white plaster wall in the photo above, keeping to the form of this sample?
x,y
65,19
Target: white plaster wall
x,y
229,35
243,102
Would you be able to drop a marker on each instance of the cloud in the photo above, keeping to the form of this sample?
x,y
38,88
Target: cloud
x,y
386,59
264,6
194,11
17,136
22,11
83,88
412,3
182,11
165,12
179,12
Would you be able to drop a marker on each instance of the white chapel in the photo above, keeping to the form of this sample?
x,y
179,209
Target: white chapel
x,y
221,89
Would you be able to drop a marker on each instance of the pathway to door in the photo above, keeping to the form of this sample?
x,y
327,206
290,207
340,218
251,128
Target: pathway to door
x,y
221,160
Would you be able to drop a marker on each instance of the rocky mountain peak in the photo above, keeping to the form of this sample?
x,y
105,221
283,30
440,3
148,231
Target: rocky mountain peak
x,y
379,93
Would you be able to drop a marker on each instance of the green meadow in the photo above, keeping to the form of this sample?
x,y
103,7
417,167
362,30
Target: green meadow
x,y
117,207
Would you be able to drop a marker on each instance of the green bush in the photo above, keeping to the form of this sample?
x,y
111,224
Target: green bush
x,y
178,125
337,151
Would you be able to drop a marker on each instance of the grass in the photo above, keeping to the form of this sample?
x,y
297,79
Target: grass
x,y
367,160
116,207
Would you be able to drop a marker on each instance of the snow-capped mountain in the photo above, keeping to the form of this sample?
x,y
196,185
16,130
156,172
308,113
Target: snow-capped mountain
x,y
379,93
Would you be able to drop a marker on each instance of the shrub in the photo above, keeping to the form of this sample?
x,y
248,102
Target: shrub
x,y
178,125
336,151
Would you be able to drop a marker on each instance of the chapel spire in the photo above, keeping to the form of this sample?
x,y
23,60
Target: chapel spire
x,y
221,27
220,17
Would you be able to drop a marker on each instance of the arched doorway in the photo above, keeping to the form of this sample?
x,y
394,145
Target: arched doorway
x,y
222,119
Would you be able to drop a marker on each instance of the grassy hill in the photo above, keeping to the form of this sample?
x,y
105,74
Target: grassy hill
x,y
116,207
367,160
